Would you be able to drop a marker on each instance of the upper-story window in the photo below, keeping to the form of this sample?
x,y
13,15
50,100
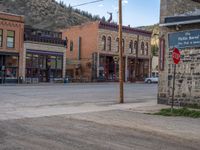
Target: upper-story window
x,y
10,39
135,46
71,46
142,48
1,38
109,43
123,44
103,40
131,47
147,48
117,43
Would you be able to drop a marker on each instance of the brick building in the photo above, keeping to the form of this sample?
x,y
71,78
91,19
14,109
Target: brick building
x,y
93,49
180,28
11,47
45,59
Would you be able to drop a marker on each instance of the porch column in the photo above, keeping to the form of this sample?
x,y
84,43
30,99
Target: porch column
x,y
64,64
126,68
98,63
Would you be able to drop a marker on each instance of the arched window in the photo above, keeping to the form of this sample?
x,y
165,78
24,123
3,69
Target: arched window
x,y
123,44
117,43
131,47
103,40
135,46
147,48
109,43
142,48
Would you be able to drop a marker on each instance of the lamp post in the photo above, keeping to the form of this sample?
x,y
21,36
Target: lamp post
x,y
121,62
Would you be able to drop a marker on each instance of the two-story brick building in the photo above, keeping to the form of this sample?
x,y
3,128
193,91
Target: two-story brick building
x,y
93,50
11,47
45,56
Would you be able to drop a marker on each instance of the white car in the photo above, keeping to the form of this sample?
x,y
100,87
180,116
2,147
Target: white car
x,y
151,80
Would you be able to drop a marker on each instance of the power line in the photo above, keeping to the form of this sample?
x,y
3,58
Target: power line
x,y
96,1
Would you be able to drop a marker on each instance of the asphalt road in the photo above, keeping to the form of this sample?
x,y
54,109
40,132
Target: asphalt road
x,y
74,94
60,133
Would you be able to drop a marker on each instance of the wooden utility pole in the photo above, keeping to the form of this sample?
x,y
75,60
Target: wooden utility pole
x,y
121,62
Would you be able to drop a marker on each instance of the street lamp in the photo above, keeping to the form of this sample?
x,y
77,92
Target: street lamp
x,y
121,64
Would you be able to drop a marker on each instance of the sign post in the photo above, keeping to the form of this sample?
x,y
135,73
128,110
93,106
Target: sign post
x,y
176,58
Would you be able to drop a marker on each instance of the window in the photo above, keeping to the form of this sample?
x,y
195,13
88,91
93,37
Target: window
x,y
103,40
135,46
10,39
71,46
131,47
109,43
1,38
117,43
123,45
147,49
142,48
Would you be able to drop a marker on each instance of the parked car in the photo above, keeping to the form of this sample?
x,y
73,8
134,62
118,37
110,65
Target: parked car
x,y
151,80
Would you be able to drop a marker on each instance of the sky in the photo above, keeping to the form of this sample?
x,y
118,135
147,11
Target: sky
x,y
135,12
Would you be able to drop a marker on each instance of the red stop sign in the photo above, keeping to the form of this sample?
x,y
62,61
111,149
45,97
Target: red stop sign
x,y
176,56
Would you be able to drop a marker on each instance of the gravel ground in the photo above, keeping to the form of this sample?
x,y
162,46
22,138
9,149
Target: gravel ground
x,y
59,133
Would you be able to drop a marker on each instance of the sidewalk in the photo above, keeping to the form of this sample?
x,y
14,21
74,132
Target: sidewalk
x,y
177,127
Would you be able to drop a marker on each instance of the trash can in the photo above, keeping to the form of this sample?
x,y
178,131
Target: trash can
x,y
20,80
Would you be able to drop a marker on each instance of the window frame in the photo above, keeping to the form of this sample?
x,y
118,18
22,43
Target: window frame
x,y
71,47
103,40
13,46
1,35
142,48
109,43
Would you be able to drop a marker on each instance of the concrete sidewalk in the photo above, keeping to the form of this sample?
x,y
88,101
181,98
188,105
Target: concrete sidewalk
x,y
178,127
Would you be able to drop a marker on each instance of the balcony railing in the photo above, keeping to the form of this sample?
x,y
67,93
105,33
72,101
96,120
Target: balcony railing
x,y
50,40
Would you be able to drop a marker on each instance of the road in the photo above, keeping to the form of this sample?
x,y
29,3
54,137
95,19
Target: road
x,y
36,101
102,93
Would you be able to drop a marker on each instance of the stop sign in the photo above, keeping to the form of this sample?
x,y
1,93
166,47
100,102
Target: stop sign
x,y
176,56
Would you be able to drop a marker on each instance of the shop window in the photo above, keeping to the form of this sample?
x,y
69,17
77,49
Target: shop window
x,y
71,46
11,61
103,40
53,62
35,61
131,47
142,48
29,60
59,62
109,43
10,39
1,38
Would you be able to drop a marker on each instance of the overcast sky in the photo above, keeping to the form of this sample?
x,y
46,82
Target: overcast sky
x,y
135,12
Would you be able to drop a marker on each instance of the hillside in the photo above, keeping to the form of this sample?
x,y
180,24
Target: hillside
x,y
46,14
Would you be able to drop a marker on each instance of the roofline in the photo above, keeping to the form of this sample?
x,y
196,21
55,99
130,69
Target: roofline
x,y
2,12
125,28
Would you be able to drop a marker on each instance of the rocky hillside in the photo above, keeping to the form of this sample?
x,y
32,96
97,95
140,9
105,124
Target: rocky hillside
x,y
46,14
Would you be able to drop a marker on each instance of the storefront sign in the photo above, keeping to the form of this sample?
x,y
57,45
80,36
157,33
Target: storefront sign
x,y
186,39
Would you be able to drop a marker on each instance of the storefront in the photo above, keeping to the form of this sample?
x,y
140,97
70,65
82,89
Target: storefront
x,y
109,68
44,66
9,68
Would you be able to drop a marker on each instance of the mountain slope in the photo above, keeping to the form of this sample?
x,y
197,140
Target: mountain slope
x,y
45,14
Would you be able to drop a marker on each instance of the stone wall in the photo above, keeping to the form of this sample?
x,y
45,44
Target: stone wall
x,y
187,80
